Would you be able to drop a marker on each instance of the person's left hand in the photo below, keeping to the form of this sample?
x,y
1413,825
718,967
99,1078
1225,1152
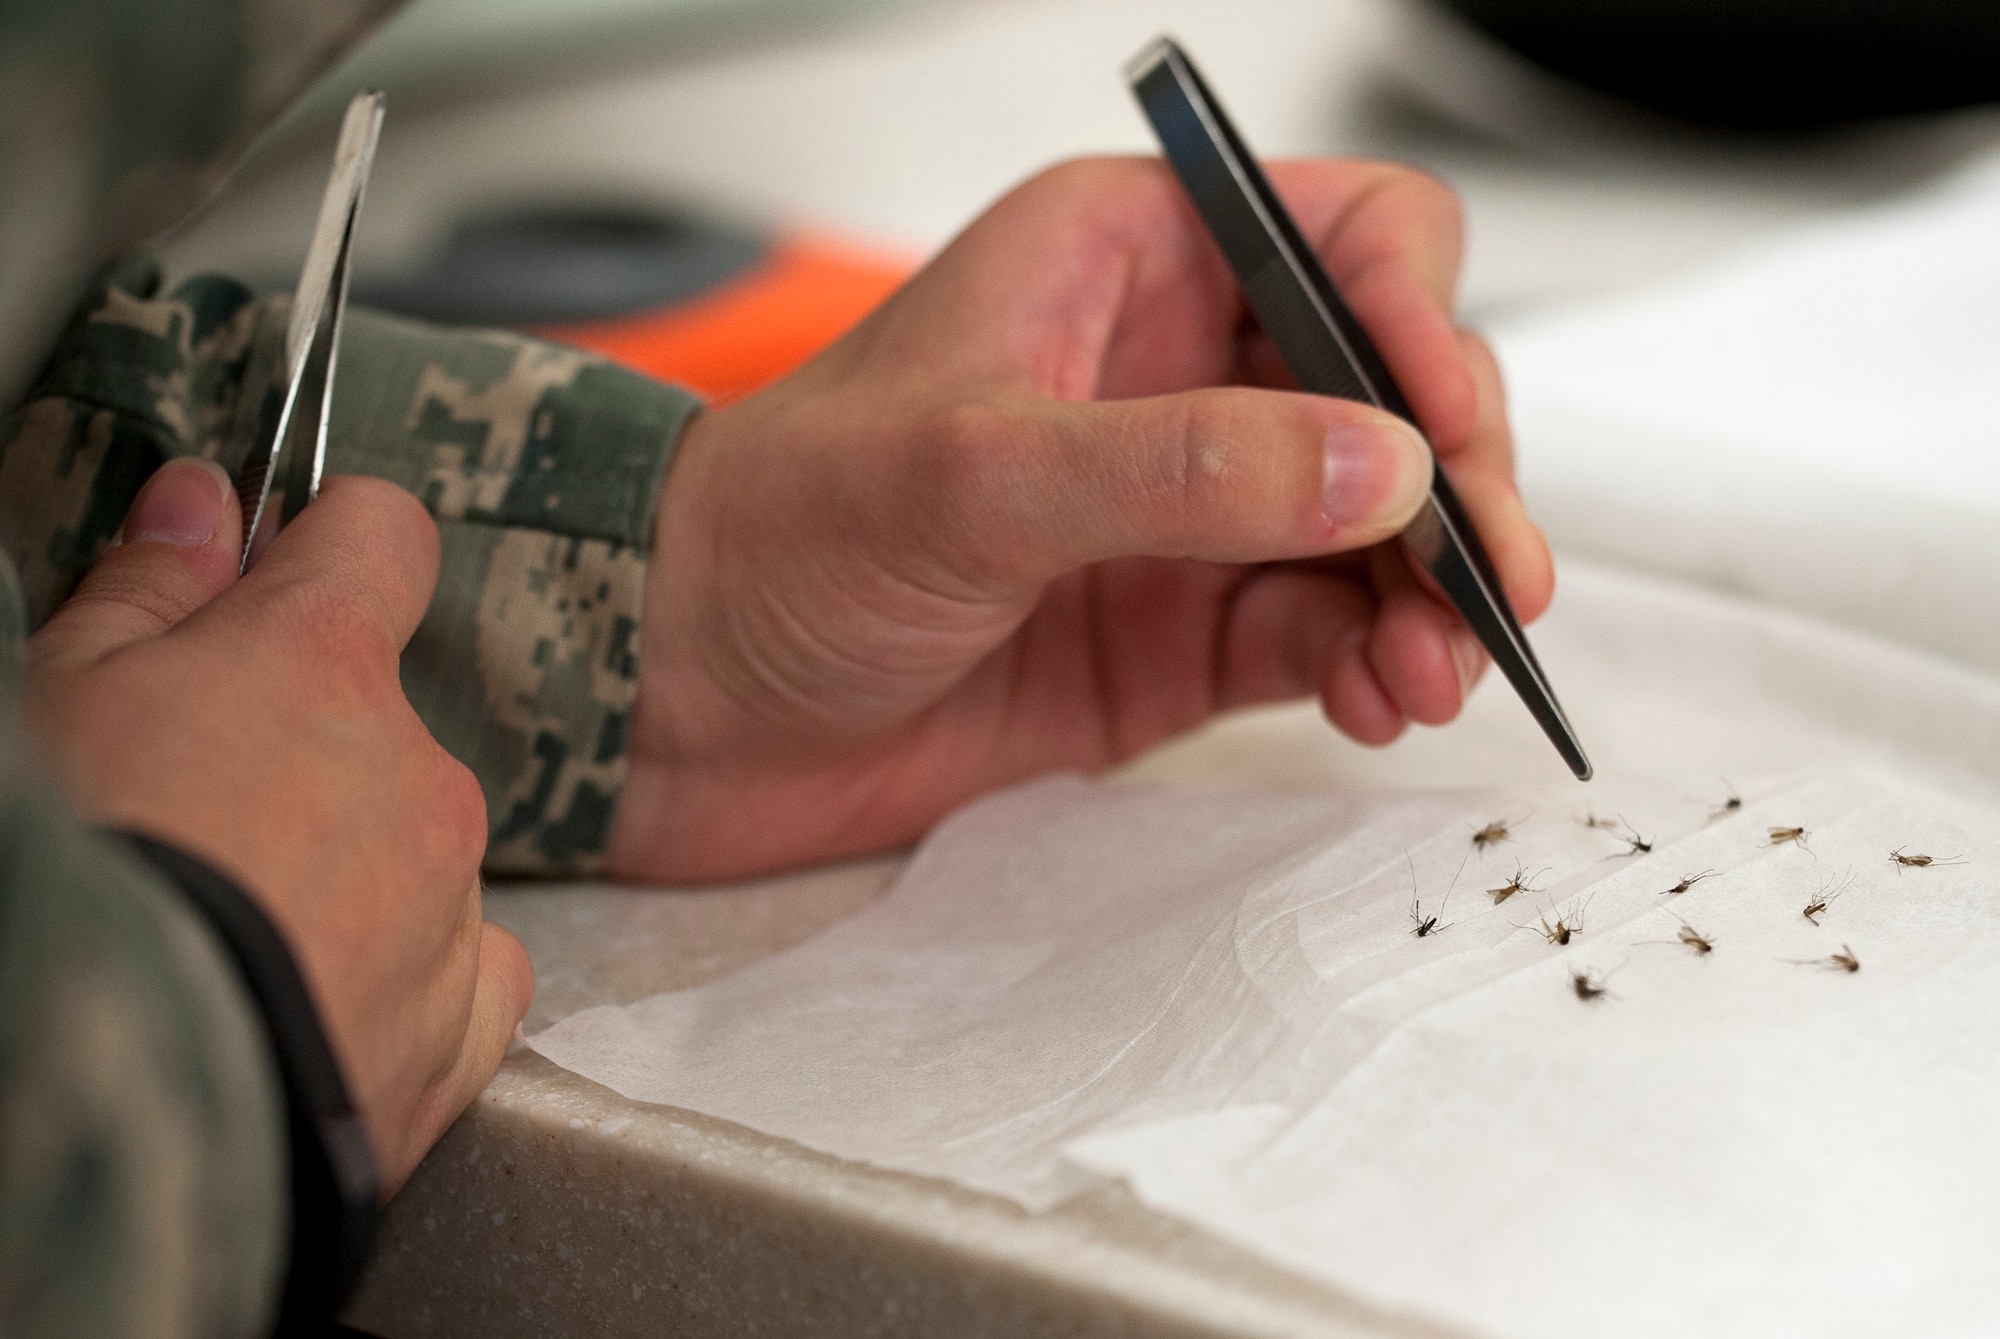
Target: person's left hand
x,y
260,724
1025,516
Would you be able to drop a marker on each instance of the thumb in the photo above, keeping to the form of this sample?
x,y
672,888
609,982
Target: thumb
x,y
178,549
1230,475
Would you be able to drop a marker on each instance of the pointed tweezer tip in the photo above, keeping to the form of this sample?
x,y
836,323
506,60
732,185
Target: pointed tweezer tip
x,y
1572,753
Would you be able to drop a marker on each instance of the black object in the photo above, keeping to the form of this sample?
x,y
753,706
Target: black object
x,y
335,1181
1330,353
1760,64
546,266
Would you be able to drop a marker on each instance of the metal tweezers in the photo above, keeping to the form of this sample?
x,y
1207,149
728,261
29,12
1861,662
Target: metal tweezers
x,y
288,446
1328,351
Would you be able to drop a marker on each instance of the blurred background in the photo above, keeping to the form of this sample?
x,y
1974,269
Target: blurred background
x,y
1740,258
889,123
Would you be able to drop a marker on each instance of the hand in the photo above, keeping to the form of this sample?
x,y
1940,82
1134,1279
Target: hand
x,y
1026,516
259,724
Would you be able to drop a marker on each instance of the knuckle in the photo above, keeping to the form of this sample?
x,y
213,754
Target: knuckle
x,y
969,493
1253,464
513,955
966,436
416,534
389,504
1074,175
116,595
1431,193
1207,472
461,815
133,589
397,527
1435,194
962,457
1428,231
1485,364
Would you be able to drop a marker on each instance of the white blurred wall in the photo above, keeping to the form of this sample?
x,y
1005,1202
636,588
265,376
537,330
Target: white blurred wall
x,y
896,120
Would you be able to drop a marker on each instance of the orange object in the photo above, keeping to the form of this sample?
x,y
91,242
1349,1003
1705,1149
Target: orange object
x,y
804,294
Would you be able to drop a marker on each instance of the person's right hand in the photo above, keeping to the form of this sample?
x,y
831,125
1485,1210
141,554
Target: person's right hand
x,y
1055,501
259,723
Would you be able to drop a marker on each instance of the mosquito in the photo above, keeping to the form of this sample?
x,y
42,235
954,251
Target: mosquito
x,y
1599,822
1730,804
1521,882
1634,843
1904,862
1695,940
1495,832
1843,961
1796,836
1565,928
1589,985
1424,926
1689,936
1827,892
1688,882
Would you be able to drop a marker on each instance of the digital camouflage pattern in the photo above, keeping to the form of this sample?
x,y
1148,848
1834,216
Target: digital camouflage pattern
x,y
135,380
527,672
541,464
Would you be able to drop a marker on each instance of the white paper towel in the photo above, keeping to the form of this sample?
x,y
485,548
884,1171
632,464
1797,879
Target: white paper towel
x,y
1217,997
1729,1144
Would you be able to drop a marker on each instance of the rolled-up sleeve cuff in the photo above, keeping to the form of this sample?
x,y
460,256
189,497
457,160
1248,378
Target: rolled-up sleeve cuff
x,y
543,465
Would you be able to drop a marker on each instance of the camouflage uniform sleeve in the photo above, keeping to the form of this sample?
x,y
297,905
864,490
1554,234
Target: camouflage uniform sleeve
x,y
143,1157
540,462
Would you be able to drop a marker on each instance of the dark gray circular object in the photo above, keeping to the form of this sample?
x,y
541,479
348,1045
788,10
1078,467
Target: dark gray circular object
x,y
553,265
1761,64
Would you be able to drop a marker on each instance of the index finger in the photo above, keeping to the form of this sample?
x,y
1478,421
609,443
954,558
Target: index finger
x,y
1390,238
364,544
1391,242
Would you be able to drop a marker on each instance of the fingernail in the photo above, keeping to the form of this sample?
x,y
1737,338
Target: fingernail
x,y
1468,656
1377,471
182,504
